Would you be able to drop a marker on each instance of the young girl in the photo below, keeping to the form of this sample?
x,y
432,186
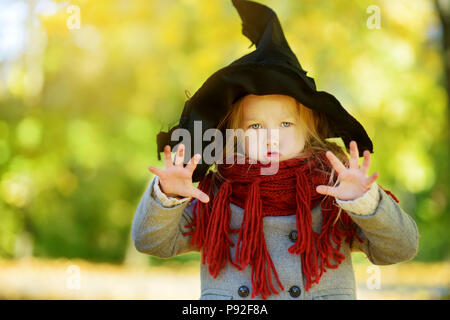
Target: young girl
x,y
285,235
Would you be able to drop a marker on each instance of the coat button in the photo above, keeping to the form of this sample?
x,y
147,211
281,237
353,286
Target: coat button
x,y
293,236
243,291
294,291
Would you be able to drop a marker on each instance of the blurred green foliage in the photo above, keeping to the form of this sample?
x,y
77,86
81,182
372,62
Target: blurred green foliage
x,y
80,108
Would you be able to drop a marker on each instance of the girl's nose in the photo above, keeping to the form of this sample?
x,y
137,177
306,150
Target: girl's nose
x,y
272,138
272,145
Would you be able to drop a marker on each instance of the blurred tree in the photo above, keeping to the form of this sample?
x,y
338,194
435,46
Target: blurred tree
x,y
443,9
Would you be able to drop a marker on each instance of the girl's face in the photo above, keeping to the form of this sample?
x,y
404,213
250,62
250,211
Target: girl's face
x,y
274,120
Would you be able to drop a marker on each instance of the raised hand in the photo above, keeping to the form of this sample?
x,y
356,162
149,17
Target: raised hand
x,y
176,179
353,181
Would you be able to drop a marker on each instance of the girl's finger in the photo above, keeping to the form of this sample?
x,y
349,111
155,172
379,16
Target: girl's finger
x,y
322,189
335,162
372,178
167,157
366,163
354,156
179,156
200,195
156,171
192,164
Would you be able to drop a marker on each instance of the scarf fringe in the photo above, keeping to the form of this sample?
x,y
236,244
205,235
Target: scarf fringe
x,y
216,241
200,216
316,249
251,246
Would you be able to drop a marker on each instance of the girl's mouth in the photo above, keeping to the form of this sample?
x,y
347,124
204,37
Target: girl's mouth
x,y
273,154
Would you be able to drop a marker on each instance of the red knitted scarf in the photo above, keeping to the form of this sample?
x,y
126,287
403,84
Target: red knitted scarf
x,y
292,190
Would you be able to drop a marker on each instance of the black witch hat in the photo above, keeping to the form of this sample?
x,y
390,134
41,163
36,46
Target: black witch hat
x,y
270,69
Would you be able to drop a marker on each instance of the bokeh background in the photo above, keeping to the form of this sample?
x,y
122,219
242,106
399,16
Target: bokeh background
x,y
86,85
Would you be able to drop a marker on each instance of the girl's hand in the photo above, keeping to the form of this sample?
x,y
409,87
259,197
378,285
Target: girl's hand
x,y
353,182
176,179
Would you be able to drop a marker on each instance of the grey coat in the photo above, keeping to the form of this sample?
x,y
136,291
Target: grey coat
x,y
390,236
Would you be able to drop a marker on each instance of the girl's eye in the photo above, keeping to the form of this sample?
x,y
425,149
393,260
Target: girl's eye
x,y
285,124
255,126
